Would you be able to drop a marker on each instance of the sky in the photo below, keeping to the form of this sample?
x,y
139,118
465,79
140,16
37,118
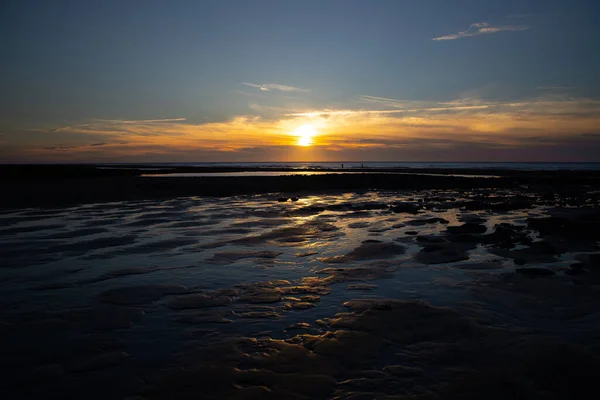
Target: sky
x,y
279,80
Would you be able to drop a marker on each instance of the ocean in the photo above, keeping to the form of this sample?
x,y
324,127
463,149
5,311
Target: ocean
x,y
525,166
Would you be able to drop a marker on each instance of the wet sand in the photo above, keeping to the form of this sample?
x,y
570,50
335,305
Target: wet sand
x,y
324,287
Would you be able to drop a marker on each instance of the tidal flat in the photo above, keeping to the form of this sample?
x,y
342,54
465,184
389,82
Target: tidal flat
x,y
441,293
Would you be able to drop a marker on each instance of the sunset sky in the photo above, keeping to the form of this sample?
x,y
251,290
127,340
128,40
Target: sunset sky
x,y
278,80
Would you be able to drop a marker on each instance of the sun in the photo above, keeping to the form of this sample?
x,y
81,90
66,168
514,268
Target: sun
x,y
305,134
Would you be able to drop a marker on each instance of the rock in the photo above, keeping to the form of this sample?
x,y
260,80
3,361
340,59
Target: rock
x,y
404,321
358,225
535,272
420,222
474,205
375,250
570,227
590,261
265,284
576,272
468,228
316,289
365,273
576,269
257,314
300,305
258,295
405,208
306,254
507,236
538,252
430,239
282,199
298,325
309,297
440,253
464,238
472,218
340,207
361,286
481,265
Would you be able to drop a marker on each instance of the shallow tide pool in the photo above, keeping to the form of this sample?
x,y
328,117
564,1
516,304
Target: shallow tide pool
x,y
99,300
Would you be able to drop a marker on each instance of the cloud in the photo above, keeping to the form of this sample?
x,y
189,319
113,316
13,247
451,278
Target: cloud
x,y
378,128
94,122
142,121
265,87
406,106
412,107
481,28
554,87
401,104
70,147
137,127
59,148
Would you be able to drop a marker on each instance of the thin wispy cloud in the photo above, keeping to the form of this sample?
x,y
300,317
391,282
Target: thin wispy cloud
x,y
71,147
415,106
139,122
59,148
265,87
481,28
142,121
366,112
554,87
541,106
386,101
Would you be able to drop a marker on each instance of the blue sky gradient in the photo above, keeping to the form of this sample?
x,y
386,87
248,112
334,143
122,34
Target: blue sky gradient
x,y
81,80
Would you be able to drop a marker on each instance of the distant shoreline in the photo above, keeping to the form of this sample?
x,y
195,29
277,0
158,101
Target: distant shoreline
x,y
34,171
67,185
357,166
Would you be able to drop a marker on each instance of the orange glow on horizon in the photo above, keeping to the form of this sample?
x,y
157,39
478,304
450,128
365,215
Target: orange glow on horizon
x,y
319,136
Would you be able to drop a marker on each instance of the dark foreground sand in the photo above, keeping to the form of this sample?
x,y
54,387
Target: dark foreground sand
x,y
324,287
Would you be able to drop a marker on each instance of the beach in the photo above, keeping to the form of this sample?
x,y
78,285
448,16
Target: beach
x,y
424,283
